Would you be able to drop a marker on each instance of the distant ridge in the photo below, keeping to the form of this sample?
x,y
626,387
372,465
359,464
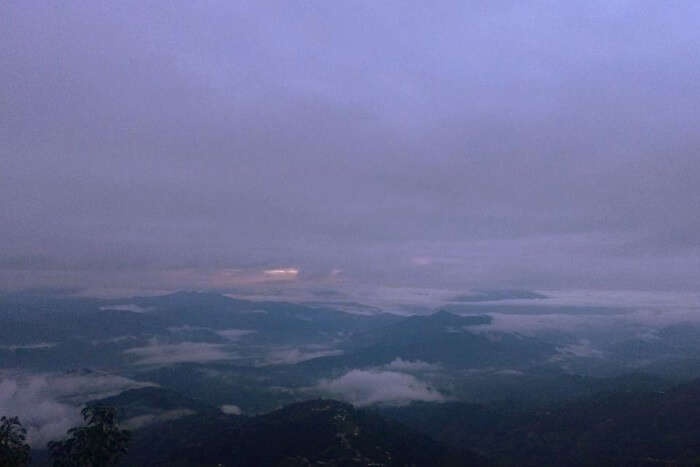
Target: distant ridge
x,y
496,295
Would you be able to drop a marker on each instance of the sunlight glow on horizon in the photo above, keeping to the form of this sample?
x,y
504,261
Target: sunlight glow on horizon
x,y
282,272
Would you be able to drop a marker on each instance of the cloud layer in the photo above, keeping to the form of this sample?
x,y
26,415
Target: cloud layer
x,y
496,144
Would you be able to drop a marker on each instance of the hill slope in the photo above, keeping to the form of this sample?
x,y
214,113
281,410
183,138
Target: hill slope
x,y
317,432
620,428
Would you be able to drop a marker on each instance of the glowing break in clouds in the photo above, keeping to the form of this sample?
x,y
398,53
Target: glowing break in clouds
x,y
283,273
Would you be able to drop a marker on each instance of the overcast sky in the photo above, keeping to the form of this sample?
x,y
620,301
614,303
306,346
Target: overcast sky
x,y
540,144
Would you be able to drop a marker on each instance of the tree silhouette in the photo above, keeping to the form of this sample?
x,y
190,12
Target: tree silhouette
x,y
99,443
14,451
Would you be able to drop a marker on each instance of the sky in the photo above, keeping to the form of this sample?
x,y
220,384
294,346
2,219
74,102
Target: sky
x,y
456,144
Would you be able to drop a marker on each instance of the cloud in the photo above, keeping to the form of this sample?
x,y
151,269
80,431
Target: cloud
x,y
234,334
617,324
231,409
366,387
127,307
400,364
646,299
296,355
402,152
39,345
186,328
582,348
140,421
229,334
159,354
508,372
49,404
499,296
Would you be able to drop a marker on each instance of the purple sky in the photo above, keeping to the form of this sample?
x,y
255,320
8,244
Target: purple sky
x,y
538,144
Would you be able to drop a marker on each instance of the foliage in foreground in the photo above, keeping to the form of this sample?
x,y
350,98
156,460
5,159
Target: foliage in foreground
x,y
14,450
99,443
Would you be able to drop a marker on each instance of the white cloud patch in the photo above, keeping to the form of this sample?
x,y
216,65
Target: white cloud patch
x,y
49,404
508,372
366,387
231,409
255,311
582,348
235,334
134,423
163,354
400,364
127,307
186,328
634,323
115,340
292,356
37,346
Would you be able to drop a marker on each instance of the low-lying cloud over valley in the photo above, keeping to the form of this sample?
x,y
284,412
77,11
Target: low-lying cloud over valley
x,y
157,353
366,387
48,404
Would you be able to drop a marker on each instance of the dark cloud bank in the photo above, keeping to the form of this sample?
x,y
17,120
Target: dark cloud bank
x,y
486,144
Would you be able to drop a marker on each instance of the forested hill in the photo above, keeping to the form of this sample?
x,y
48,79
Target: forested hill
x,y
317,432
615,428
